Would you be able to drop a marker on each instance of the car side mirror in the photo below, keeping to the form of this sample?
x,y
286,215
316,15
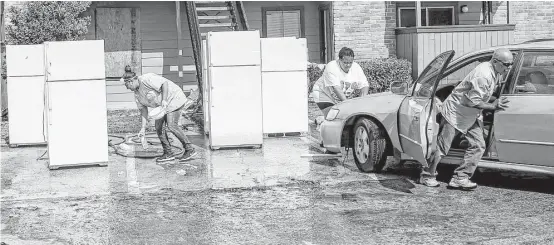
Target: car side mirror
x,y
400,88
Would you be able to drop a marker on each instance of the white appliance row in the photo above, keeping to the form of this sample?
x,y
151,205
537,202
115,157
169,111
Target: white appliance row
x,y
25,84
253,86
57,95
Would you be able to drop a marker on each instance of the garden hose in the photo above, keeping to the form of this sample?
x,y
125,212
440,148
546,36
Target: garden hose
x,y
132,151
130,146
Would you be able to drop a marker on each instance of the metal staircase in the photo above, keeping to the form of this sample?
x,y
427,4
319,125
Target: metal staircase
x,y
206,16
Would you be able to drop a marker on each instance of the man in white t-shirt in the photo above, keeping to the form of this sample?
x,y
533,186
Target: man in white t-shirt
x,y
342,79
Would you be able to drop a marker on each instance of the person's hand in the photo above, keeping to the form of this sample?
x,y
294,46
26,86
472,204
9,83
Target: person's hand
x,y
142,132
164,106
501,104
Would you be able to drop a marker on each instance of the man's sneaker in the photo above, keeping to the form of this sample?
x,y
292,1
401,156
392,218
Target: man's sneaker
x,y
166,157
188,155
177,154
428,181
462,184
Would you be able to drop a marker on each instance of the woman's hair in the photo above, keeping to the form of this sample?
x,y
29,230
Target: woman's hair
x,y
345,51
128,73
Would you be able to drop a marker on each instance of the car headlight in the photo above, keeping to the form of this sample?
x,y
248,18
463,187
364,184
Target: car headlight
x,y
332,114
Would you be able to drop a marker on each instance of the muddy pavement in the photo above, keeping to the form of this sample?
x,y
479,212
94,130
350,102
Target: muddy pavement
x,y
367,212
263,196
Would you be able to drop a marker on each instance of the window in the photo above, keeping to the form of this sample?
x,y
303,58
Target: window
x,y
283,22
536,75
455,76
430,16
425,83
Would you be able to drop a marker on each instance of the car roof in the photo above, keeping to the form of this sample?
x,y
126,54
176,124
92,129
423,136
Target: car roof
x,y
529,45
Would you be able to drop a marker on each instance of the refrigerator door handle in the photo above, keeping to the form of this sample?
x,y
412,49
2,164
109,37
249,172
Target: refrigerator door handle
x,y
49,68
49,101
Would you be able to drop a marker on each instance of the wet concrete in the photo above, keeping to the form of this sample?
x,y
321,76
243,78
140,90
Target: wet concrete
x,y
278,162
355,213
260,196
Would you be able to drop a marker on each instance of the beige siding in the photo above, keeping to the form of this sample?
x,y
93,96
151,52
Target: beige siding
x,y
421,48
159,52
311,21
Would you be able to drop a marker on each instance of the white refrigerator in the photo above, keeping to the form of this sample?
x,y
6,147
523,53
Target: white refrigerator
x,y
205,92
76,103
25,70
235,93
284,86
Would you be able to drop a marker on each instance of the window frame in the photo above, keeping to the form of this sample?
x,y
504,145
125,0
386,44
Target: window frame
x,y
421,77
285,8
426,8
508,80
517,66
454,67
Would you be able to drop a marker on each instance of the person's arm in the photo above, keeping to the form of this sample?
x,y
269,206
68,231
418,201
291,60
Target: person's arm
x,y
144,117
338,91
362,79
476,94
331,79
500,104
365,91
165,89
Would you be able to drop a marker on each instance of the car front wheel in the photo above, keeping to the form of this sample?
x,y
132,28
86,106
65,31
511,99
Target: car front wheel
x,y
369,146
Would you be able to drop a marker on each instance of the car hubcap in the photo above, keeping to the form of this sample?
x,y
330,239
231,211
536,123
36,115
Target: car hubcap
x,y
361,144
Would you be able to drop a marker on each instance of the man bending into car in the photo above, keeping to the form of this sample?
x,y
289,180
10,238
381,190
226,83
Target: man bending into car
x,y
462,113
342,79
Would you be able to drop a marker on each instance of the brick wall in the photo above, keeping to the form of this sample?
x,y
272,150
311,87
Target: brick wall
x,y
365,27
533,19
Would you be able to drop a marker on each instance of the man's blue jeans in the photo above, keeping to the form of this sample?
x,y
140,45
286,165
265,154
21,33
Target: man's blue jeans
x,y
171,120
472,155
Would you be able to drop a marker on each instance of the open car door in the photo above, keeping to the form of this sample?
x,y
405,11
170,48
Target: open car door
x,y
417,125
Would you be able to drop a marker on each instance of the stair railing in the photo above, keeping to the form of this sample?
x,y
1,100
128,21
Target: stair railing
x,y
242,16
196,40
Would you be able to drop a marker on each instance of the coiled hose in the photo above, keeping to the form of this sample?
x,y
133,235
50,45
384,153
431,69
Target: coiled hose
x,y
130,146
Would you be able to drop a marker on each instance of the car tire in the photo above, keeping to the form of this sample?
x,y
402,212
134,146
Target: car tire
x,y
369,146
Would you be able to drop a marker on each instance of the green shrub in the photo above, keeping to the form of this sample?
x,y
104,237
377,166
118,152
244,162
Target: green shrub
x,y
38,22
314,73
380,73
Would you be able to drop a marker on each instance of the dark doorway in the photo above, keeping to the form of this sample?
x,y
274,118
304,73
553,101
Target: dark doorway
x,y
326,34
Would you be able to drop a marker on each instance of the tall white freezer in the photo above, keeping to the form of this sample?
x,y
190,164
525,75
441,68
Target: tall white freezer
x,y
76,103
284,87
205,92
25,70
235,97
